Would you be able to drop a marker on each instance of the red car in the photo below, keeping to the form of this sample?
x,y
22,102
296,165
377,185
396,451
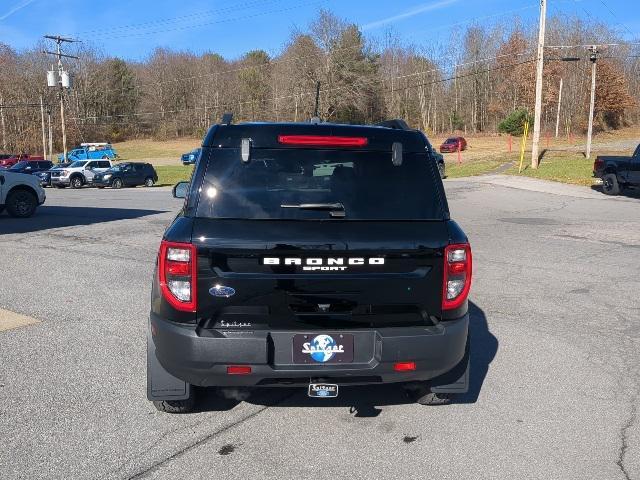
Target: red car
x,y
9,160
453,144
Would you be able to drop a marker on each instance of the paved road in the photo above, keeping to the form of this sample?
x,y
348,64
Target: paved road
x,y
555,359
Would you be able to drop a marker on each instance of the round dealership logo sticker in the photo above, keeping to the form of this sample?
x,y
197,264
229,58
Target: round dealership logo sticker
x,y
322,348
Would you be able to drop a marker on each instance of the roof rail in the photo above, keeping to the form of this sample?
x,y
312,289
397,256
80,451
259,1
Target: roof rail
x,y
396,123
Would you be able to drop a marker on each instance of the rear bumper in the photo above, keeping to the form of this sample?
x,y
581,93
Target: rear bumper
x,y
203,361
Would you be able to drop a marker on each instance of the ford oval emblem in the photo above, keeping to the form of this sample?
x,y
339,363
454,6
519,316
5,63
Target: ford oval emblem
x,y
222,291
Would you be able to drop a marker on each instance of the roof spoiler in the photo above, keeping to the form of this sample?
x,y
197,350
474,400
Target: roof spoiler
x,y
226,118
396,123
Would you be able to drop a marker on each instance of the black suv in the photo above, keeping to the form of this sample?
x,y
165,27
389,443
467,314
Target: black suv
x,y
127,174
31,166
314,255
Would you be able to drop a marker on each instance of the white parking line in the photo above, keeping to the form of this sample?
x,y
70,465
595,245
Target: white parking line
x,y
10,320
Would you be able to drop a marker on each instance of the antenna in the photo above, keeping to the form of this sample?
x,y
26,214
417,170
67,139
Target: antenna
x,y
315,112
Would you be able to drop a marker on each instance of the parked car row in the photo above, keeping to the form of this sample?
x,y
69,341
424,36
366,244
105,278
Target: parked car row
x,y
100,173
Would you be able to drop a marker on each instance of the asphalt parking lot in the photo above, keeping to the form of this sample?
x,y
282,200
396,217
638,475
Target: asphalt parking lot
x,y
555,354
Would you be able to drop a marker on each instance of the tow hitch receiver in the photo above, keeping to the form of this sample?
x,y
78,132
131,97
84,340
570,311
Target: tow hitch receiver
x,y
323,390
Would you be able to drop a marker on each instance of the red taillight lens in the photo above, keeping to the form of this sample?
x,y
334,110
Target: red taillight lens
x,y
456,281
177,275
598,164
404,366
238,370
322,140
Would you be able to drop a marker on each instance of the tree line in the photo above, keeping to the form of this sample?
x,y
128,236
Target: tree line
x,y
470,83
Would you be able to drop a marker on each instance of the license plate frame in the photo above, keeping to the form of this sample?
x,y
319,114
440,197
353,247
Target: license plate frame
x,y
303,341
323,390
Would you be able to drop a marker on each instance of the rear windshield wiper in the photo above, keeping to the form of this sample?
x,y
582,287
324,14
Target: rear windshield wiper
x,y
334,209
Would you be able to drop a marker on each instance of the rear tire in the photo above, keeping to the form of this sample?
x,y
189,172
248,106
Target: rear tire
x,y
176,406
610,185
148,182
117,183
21,203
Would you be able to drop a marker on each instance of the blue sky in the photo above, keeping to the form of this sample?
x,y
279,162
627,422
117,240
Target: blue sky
x,y
132,29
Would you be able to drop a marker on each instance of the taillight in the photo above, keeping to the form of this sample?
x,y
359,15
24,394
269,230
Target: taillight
x,y
177,264
322,140
457,275
598,164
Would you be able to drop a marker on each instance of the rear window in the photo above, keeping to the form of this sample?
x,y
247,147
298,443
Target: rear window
x,y
301,184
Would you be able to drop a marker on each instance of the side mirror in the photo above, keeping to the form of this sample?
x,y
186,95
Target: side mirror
x,y
181,189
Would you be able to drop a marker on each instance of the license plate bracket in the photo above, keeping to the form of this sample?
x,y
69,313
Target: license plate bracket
x,y
323,390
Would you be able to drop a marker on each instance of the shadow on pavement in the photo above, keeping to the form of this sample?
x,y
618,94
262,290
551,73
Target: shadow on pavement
x,y
363,401
626,192
47,217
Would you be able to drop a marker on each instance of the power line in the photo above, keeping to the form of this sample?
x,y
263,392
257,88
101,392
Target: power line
x,y
616,17
182,18
216,22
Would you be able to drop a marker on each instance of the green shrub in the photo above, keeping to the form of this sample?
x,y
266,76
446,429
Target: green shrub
x,y
514,123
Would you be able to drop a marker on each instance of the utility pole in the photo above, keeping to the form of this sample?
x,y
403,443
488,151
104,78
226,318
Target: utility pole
x,y
63,82
44,136
559,102
593,57
539,71
50,133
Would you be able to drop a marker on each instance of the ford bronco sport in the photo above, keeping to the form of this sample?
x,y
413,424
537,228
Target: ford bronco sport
x,y
311,255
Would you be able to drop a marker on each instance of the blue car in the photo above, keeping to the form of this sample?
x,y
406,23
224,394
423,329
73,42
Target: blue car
x,y
191,157
90,151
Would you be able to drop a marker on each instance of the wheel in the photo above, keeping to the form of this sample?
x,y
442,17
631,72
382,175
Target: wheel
x,y
176,406
610,184
76,182
148,182
441,169
117,183
21,203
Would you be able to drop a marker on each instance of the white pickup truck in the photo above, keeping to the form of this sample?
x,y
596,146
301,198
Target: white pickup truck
x,y
20,193
79,173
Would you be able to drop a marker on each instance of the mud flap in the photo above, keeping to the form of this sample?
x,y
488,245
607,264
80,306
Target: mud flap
x,y
161,385
455,381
